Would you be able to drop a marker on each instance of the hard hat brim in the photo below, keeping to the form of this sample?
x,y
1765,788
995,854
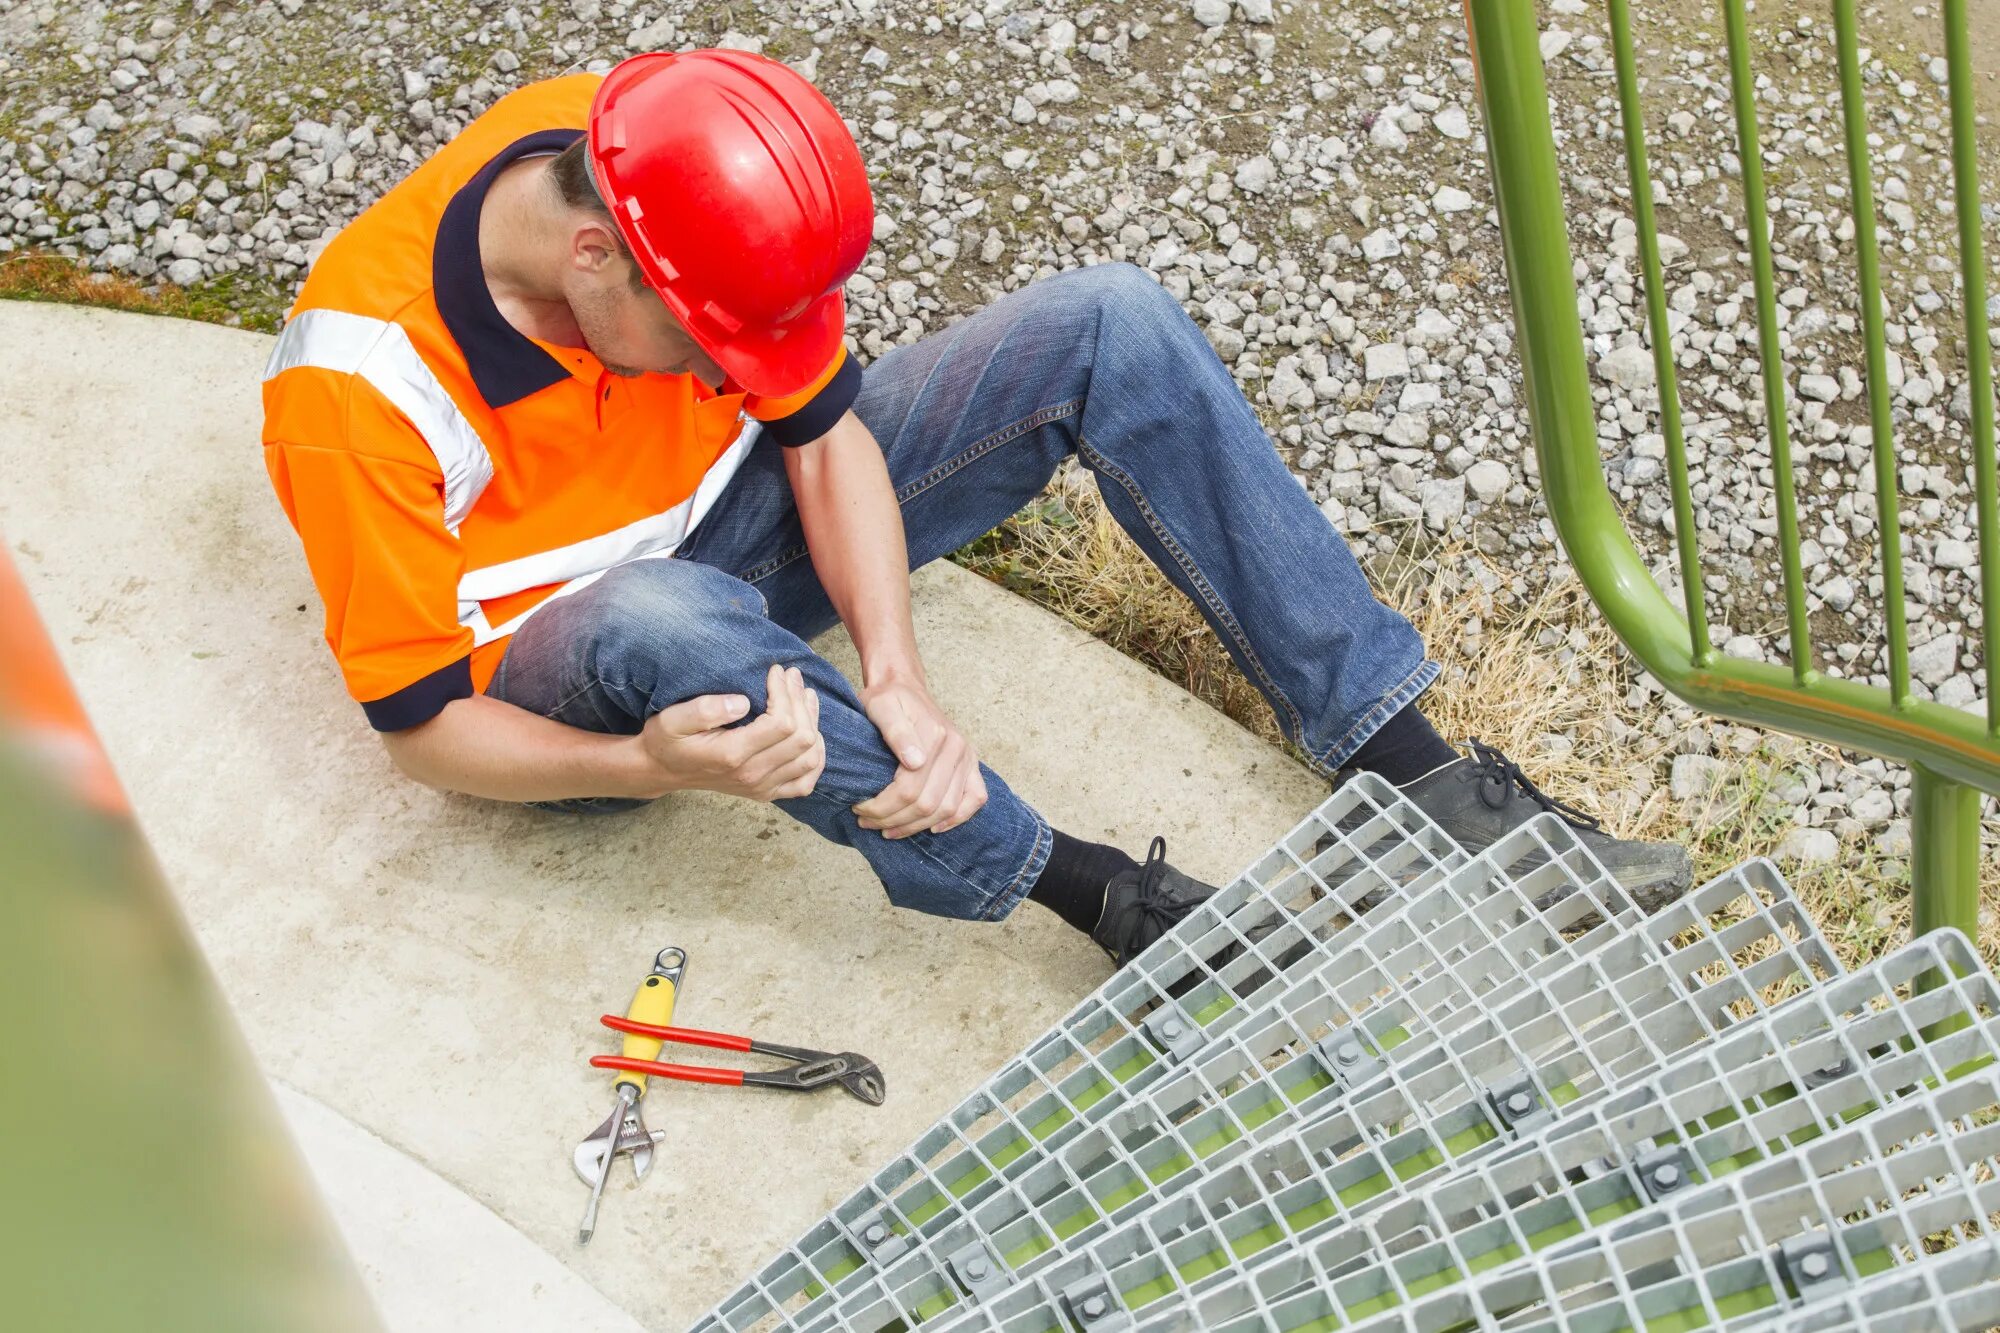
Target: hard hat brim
x,y
773,363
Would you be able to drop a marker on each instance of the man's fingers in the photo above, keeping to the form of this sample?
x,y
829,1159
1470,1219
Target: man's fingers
x,y
968,806
704,712
945,772
778,694
899,793
799,777
900,734
922,782
934,806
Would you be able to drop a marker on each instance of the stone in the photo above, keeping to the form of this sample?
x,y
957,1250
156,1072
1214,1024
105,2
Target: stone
x,y
1953,554
1380,244
184,272
1386,133
1211,13
197,127
1628,368
1935,662
1809,846
1408,430
1255,175
1228,343
1418,396
1487,480
1819,388
1695,776
1286,389
1960,692
1873,808
1451,199
1433,326
661,32
1443,502
1452,123
1386,361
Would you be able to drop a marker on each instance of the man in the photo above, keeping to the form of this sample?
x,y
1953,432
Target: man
x,y
603,327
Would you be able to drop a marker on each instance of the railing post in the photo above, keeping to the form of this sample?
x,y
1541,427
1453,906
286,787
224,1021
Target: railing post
x,y
1944,854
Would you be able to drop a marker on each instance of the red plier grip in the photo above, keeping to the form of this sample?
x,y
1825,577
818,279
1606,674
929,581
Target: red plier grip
x,y
686,1036
689,1073
689,1036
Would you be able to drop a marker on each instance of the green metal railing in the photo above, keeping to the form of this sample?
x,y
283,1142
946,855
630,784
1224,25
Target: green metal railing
x,y
1953,755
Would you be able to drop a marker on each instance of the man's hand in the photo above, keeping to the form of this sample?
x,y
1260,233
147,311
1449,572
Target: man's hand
x,y
775,758
937,785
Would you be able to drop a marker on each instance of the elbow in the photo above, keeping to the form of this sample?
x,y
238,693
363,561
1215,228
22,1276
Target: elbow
x,y
407,750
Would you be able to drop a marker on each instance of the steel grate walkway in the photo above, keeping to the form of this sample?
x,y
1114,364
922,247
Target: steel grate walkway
x,y
1378,1084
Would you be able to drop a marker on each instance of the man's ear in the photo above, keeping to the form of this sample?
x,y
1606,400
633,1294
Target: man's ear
x,y
594,245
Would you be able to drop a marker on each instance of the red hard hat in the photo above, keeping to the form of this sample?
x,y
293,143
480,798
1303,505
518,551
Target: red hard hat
x,y
743,198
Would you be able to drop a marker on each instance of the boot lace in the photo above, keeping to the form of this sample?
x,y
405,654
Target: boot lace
x,y
1500,777
1153,912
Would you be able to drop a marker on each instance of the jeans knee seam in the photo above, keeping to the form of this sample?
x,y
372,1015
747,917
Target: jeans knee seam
x,y
1033,421
594,683
1195,577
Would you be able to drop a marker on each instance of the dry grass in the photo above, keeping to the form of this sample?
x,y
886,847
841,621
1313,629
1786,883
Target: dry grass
x,y
35,275
1545,680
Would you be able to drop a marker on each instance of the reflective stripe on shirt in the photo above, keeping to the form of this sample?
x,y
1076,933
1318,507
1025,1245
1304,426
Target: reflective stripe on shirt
x,y
579,564
381,353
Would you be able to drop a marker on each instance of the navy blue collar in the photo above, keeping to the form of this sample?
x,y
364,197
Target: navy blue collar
x,y
506,364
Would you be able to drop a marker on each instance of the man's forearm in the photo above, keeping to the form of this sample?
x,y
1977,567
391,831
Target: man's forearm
x,y
485,747
854,530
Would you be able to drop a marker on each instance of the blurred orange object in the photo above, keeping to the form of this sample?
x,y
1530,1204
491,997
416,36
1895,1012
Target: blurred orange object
x,y
39,712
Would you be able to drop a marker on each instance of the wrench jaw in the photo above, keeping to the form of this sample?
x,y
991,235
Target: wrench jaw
x,y
864,1080
634,1141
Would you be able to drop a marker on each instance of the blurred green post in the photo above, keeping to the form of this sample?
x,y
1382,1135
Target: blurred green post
x,y
146,1179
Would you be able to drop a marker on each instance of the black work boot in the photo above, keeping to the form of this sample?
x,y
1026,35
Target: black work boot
x,y
1479,800
1143,904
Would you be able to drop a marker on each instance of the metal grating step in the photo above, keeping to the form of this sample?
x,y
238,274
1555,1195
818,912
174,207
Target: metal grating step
x,y
1672,1200
1427,976
1552,1038
1354,862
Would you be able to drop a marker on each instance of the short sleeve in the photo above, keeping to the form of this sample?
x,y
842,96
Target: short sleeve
x,y
803,417
387,569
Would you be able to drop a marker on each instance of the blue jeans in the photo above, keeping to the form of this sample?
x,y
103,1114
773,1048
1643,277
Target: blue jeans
x,y
1100,362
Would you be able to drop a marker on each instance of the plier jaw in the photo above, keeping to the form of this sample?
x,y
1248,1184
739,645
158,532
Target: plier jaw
x,y
808,1071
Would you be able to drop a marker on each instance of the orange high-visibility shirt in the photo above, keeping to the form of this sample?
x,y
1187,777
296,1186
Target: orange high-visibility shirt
x,y
446,473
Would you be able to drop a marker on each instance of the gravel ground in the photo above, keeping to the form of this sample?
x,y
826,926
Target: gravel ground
x,y
1308,178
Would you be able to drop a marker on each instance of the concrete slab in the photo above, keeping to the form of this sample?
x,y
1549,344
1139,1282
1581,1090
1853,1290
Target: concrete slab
x,y
431,967
435,1259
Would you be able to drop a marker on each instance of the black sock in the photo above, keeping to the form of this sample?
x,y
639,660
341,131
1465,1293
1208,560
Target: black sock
x,y
1406,748
1073,881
